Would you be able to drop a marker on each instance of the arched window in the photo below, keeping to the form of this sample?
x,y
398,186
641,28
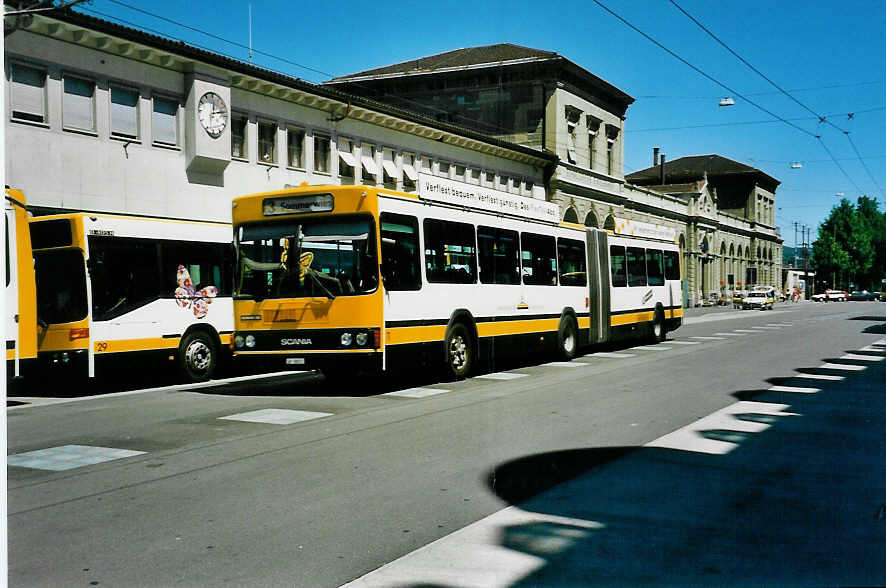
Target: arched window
x,y
609,225
571,216
591,220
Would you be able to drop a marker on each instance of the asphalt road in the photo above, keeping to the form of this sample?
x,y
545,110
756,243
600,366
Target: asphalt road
x,y
704,460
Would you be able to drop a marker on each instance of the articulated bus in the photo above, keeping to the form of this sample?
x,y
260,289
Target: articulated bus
x,y
21,306
118,289
351,278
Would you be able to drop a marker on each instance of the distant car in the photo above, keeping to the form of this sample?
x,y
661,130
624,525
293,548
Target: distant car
x,y
831,296
862,296
737,299
758,299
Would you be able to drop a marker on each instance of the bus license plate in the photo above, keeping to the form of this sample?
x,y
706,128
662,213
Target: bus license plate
x,y
295,361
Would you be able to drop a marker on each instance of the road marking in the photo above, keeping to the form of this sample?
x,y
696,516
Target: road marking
x,y
873,349
684,343
67,457
276,416
780,324
769,327
569,364
502,376
698,437
652,347
612,355
861,357
474,555
819,377
730,334
745,331
797,389
710,338
417,392
842,366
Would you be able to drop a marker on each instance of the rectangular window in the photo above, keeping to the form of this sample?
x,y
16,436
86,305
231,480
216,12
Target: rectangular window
x,y
636,261
460,172
164,122
27,93
321,154
238,137
617,266
443,169
475,176
125,275
401,266
499,257
124,113
60,276
205,263
503,183
347,161
489,179
450,252
267,142
672,265
572,261
78,108
654,267
410,175
295,144
539,257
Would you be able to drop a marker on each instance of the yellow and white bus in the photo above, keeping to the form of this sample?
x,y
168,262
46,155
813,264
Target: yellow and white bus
x,y
117,289
348,278
21,306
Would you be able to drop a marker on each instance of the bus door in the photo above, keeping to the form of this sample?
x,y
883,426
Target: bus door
x,y
598,285
21,313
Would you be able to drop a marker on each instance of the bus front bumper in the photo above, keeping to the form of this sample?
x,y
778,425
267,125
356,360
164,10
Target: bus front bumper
x,y
368,361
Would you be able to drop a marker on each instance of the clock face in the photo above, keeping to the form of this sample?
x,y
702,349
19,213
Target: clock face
x,y
213,114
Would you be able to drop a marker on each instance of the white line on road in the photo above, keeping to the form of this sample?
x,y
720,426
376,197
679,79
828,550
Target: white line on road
x,y
416,392
652,347
612,355
798,389
730,334
502,376
710,338
861,357
873,349
769,327
569,364
684,343
745,331
276,416
819,377
842,366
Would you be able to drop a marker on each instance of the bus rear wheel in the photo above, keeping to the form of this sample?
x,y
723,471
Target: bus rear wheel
x,y
197,357
567,339
659,331
459,352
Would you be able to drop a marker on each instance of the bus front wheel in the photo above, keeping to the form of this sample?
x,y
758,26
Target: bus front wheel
x,y
659,331
459,352
197,357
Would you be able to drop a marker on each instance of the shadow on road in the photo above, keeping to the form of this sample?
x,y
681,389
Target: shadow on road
x,y
792,499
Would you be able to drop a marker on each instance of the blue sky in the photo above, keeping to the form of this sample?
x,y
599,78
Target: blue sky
x,y
828,55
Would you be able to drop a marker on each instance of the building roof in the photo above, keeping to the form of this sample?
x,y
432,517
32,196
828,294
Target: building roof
x,y
457,59
79,19
695,167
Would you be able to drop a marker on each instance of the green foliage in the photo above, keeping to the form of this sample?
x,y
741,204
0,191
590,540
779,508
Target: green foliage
x,y
851,245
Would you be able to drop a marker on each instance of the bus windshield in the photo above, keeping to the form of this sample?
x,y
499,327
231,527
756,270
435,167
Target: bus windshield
x,y
60,276
324,257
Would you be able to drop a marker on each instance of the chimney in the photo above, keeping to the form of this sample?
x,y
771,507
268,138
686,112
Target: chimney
x,y
655,155
662,169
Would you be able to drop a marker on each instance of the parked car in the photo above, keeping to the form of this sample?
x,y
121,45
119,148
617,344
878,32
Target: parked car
x,y
761,299
862,296
831,296
737,299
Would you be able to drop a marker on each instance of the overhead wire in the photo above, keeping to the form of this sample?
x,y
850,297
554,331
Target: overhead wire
x,y
821,118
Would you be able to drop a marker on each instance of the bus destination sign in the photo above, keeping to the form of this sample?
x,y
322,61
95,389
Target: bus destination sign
x,y
297,204
488,199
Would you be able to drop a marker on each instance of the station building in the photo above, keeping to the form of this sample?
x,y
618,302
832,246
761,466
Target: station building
x,y
106,118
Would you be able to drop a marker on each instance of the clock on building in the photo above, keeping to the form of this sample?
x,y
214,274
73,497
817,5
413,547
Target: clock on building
x,y
213,114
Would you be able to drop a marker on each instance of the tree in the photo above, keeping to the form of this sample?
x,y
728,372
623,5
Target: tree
x,y
851,245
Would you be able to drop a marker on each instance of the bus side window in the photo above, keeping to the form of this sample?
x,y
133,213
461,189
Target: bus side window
x,y
571,261
499,262
539,254
636,258
399,252
672,265
450,252
654,268
617,263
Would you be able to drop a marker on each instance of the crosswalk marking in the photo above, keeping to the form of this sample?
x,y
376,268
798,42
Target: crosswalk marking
x,y
417,392
684,343
569,364
797,389
276,416
745,331
502,376
709,338
819,377
68,457
780,324
769,327
652,347
873,349
612,355
730,334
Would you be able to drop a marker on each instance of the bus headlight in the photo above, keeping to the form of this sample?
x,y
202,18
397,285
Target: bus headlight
x,y
361,339
346,339
250,341
239,342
